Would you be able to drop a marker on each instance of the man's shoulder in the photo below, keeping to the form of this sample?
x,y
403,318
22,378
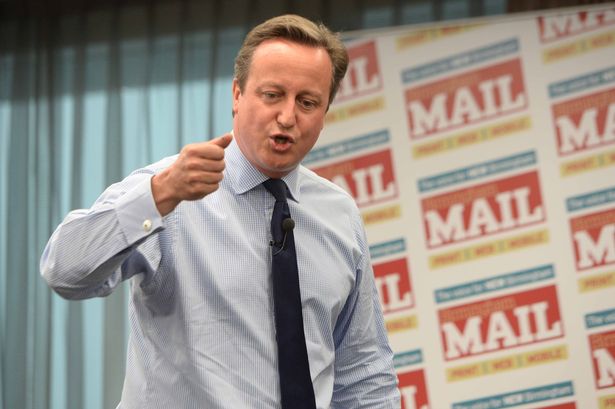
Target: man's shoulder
x,y
311,181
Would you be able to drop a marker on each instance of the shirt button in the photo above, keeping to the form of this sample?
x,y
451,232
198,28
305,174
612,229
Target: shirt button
x,y
147,225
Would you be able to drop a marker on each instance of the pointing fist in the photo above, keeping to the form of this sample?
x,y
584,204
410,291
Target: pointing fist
x,y
195,174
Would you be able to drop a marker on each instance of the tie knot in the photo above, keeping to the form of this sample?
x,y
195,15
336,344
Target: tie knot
x,y
277,188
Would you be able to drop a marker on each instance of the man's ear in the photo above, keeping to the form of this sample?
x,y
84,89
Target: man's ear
x,y
236,95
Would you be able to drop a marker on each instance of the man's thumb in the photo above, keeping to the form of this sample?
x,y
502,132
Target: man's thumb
x,y
222,141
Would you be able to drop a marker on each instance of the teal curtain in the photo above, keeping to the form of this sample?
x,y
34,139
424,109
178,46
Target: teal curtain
x,y
86,97
83,101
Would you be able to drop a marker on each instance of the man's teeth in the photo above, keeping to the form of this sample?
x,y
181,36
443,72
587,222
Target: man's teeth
x,y
281,139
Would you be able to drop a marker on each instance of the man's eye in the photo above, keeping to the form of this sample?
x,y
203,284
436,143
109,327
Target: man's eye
x,y
270,95
308,104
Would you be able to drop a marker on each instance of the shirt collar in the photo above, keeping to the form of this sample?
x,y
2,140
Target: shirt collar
x,y
243,176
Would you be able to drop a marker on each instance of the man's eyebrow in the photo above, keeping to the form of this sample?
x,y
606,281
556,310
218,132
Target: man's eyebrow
x,y
269,84
307,92
312,95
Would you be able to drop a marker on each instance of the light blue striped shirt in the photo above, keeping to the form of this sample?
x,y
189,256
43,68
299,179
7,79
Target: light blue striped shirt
x,y
201,308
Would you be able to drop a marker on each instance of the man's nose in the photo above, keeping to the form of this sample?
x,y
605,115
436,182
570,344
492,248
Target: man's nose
x,y
287,116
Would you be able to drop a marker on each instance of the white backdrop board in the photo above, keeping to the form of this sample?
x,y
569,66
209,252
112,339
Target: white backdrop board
x,y
482,157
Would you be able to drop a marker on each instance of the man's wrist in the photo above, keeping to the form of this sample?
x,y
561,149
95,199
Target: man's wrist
x,y
165,202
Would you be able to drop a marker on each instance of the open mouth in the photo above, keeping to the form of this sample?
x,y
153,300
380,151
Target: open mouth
x,y
282,139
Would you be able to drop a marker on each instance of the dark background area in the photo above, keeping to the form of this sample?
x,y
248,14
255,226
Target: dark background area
x,y
340,14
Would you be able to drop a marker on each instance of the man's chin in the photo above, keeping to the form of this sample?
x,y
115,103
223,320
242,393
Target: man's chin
x,y
278,170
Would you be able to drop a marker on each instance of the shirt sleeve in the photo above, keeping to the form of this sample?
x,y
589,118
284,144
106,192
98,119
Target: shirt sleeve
x,y
364,373
94,249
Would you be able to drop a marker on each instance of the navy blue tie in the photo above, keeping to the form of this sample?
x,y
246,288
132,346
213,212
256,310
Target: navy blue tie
x,y
293,365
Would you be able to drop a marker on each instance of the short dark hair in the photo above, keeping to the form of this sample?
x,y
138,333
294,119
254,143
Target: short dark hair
x,y
299,30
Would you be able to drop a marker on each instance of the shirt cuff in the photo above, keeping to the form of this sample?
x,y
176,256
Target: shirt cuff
x,y
137,214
